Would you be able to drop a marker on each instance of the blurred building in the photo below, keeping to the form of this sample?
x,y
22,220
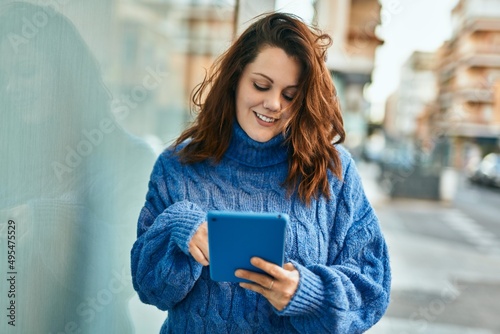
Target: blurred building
x,y
352,25
390,114
176,39
466,112
496,103
417,89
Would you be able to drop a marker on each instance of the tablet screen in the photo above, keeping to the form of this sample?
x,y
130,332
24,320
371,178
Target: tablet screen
x,y
235,237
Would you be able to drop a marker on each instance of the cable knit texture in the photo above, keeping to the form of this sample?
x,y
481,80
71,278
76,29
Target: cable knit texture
x,y
335,244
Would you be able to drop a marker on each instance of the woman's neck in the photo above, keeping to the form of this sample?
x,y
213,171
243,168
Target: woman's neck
x,y
252,153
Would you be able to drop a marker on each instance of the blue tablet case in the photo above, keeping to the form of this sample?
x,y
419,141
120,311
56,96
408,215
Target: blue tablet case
x,y
235,237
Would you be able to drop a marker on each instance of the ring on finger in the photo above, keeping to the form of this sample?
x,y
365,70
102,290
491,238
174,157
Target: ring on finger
x,y
271,285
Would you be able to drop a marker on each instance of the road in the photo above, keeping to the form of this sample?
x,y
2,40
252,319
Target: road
x,y
480,203
445,259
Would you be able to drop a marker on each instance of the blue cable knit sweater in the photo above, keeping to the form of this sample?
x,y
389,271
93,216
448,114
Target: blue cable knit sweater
x,y
335,244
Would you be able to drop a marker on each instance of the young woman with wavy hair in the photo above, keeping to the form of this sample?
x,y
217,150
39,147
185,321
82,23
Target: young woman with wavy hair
x,y
266,139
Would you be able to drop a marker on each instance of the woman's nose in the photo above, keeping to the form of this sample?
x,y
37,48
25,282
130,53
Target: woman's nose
x,y
273,102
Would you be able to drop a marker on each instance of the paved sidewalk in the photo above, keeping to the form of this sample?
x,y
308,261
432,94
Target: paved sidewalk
x,y
433,279
368,173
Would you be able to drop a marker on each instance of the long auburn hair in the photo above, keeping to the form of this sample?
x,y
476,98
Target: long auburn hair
x,y
316,121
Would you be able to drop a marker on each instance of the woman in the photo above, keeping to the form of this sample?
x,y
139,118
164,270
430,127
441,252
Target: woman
x,y
262,141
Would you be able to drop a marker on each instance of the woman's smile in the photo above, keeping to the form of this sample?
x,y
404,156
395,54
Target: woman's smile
x,y
265,91
268,121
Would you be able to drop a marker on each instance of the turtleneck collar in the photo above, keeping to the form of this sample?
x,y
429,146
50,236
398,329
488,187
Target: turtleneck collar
x,y
252,153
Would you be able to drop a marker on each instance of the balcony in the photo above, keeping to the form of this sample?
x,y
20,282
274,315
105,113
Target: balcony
x,y
447,71
475,95
474,130
476,24
482,60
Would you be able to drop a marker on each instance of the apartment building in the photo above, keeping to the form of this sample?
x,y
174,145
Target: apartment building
x,y
352,25
416,90
466,114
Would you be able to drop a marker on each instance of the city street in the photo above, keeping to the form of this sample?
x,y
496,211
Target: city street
x,y
445,260
482,204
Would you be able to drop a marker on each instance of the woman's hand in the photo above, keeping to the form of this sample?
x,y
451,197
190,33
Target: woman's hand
x,y
198,246
278,287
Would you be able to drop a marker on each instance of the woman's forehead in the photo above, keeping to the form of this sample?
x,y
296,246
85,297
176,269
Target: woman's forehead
x,y
275,64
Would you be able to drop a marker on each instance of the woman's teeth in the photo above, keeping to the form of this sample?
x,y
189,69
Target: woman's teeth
x,y
265,118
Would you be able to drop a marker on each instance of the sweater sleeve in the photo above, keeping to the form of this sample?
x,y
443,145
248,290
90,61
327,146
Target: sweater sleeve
x,y
163,271
352,293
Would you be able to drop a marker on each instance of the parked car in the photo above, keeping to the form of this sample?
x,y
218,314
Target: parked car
x,y
487,171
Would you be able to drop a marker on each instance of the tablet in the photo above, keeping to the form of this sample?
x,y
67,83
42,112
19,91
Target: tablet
x,y
235,237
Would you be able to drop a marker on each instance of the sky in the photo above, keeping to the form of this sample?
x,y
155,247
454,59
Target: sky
x,y
407,26
302,8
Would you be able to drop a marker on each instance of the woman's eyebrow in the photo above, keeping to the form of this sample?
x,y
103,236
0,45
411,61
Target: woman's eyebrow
x,y
271,80
265,76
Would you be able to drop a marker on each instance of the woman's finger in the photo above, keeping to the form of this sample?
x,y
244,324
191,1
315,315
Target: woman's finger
x,y
260,279
198,246
201,242
271,269
198,255
256,288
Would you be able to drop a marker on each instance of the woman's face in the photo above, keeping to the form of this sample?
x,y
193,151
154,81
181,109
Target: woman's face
x,y
265,90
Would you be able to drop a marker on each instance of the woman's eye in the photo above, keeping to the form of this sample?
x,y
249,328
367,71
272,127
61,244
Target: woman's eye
x,y
260,87
288,97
